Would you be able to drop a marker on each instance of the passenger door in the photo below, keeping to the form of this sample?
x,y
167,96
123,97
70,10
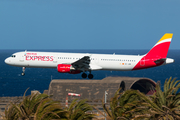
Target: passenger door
x,y
22,57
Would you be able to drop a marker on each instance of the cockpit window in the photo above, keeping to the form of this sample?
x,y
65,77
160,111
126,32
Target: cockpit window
x,y
13,56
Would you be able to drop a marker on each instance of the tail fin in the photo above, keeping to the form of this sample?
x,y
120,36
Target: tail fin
x,y
157,55
160,49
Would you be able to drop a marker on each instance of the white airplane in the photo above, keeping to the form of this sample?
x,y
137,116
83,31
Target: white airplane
x,y
75,63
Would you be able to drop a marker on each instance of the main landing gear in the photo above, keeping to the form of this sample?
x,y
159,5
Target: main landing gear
x,y
23,71
90,76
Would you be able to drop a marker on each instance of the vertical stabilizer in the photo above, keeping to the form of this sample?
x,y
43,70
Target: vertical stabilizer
x,y
157,55
160,49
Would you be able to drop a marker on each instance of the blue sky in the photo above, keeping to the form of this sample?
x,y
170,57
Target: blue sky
x,y
87,24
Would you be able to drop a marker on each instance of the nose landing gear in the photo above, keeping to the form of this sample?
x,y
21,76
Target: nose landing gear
x,y
23,71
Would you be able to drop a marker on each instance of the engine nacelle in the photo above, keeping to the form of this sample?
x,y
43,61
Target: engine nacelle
x,y
67,68
63,68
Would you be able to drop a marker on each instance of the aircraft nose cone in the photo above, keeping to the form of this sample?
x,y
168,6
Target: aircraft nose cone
x,y
6,61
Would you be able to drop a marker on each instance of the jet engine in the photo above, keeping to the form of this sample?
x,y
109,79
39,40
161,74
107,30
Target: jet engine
x,y
67,68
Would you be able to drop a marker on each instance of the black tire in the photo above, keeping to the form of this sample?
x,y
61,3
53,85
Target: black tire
x,y
84,75
90,76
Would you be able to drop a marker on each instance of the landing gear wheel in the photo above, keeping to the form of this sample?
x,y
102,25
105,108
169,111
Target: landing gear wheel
x,y
90,76
84,75
23,71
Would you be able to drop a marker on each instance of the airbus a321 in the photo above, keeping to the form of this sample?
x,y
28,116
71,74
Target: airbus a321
x,y
74,63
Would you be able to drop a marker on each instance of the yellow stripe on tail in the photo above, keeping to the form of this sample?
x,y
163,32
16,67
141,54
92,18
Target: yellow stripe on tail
x,y
166,36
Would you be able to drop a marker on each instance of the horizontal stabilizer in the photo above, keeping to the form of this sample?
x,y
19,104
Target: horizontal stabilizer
x,y
159,61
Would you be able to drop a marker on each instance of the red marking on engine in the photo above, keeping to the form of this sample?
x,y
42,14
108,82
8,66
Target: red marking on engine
x,y
66,68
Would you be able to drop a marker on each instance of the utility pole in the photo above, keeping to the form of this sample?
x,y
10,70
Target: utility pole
x,y
66,101
105,100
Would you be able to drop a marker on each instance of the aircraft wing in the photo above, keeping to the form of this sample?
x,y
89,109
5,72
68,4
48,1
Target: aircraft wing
x,y
82,64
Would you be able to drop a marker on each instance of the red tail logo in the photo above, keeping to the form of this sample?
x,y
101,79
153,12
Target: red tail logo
x,y
157,55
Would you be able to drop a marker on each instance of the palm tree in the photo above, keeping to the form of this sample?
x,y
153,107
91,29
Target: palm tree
x,y
165,105
125,105
49,109
36,107
28,106
80,110
10,113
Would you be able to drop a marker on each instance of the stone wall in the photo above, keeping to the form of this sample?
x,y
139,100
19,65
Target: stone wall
x,y
93,90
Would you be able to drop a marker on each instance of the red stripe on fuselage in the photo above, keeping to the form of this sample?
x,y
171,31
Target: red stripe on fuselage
x,y
157,52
